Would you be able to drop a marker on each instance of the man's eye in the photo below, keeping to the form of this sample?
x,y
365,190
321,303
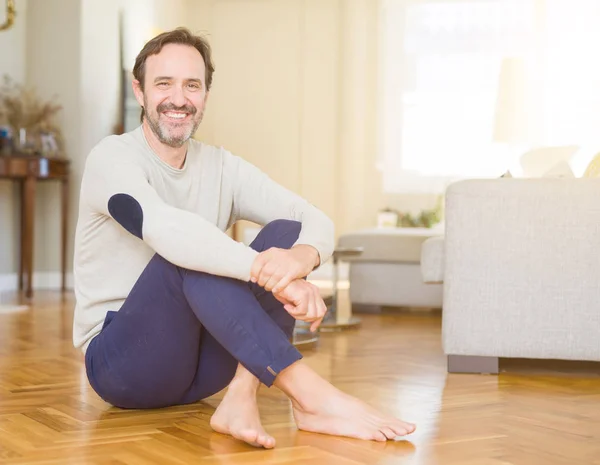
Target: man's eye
x,y
162,84
194,86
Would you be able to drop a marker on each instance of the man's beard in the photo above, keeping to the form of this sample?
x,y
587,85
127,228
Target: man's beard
x,y
162,131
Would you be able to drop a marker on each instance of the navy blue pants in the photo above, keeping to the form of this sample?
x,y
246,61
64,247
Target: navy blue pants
x,y
180,334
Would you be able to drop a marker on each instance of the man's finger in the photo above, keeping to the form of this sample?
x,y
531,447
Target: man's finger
x,y
321,307
302,307
273,280
316,325
294,311
265,274
312,308
289,308
257,266
284,282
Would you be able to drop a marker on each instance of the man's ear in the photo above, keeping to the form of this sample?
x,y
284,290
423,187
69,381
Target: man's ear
x,y
137,91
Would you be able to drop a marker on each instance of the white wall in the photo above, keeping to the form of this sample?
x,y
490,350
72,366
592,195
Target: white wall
x,y
143,19
99,88
13,46
13,43
71,52
53,70
295,93
275,94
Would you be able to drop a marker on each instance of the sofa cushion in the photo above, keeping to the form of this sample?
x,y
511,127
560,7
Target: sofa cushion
x,y
397,245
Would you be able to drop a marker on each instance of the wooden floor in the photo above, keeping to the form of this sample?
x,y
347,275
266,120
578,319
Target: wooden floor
x,y
49,414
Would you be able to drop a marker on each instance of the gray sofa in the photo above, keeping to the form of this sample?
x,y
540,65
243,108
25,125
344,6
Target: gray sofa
x,y
520,266
388,272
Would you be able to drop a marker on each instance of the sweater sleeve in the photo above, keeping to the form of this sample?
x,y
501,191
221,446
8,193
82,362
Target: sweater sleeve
x,y
259,199
115,184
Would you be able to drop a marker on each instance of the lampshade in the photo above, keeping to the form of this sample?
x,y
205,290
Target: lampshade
x,y
512,116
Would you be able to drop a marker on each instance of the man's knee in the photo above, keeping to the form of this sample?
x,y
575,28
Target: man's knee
x,y
279,233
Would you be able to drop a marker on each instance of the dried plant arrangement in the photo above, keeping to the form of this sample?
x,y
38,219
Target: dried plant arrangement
x,y
26,114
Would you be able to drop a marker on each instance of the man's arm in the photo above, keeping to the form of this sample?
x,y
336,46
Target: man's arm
x,y
259,199
115,185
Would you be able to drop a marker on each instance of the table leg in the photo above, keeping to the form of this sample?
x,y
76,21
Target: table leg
x,y
334,295
64,229
28,232
21,233
334,321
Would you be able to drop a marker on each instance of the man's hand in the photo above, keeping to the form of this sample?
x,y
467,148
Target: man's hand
x,y
303,301
274,269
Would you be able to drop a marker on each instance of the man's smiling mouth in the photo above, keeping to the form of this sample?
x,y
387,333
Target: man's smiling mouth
x,y
175,115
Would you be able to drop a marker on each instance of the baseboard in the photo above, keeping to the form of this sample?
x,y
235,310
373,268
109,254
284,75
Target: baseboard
x,y
51,280
48,280
8,282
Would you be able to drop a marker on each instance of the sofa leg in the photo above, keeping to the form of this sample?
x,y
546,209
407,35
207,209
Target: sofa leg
x,y
473,364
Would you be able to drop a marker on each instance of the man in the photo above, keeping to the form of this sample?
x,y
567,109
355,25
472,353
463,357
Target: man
x,y
171,310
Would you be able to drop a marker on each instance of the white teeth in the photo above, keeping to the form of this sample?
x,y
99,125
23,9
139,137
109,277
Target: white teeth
x,y
176,115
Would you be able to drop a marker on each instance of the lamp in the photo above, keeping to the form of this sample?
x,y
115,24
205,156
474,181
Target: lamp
x,y
10,15
512,122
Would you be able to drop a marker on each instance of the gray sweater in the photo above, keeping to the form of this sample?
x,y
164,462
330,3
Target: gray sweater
x,y
133,205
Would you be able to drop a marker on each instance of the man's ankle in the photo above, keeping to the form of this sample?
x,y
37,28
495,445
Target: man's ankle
x,y
244,382
296,382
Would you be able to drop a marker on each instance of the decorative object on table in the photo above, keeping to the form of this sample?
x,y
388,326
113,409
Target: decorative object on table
x,y
333,319
6,140
11,12
387,218
30,119
427,218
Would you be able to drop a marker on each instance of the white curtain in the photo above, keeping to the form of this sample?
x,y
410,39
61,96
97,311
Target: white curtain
x,y
468,86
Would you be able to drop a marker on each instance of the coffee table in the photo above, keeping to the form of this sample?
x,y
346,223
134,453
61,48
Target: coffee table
x,y
333,321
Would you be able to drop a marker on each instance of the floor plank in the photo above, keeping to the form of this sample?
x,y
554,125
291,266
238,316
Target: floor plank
x,y
532,414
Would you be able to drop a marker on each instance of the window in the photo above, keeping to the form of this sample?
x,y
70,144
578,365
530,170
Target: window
x,y
470,85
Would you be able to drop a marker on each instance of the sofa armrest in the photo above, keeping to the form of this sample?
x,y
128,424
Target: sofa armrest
x,y
522,268
432,260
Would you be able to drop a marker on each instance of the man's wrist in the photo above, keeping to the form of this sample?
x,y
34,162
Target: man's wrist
x,y
313,253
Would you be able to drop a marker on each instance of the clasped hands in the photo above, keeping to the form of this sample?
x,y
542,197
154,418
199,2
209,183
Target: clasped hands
x,y
281,271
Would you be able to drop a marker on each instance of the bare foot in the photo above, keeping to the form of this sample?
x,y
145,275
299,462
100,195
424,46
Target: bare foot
x,y
319,407
344,415
238,416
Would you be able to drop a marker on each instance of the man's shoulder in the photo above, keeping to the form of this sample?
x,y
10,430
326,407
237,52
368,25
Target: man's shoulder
x,y
116,146
217,152
115,153
201,148
115,141
211,155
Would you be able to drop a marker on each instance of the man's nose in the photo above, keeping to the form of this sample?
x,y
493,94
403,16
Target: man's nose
x,y
178,96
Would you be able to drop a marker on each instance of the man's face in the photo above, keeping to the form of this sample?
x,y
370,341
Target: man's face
x,y
174,93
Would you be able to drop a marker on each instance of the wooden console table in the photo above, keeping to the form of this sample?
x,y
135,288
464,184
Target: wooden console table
x,y
28,170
